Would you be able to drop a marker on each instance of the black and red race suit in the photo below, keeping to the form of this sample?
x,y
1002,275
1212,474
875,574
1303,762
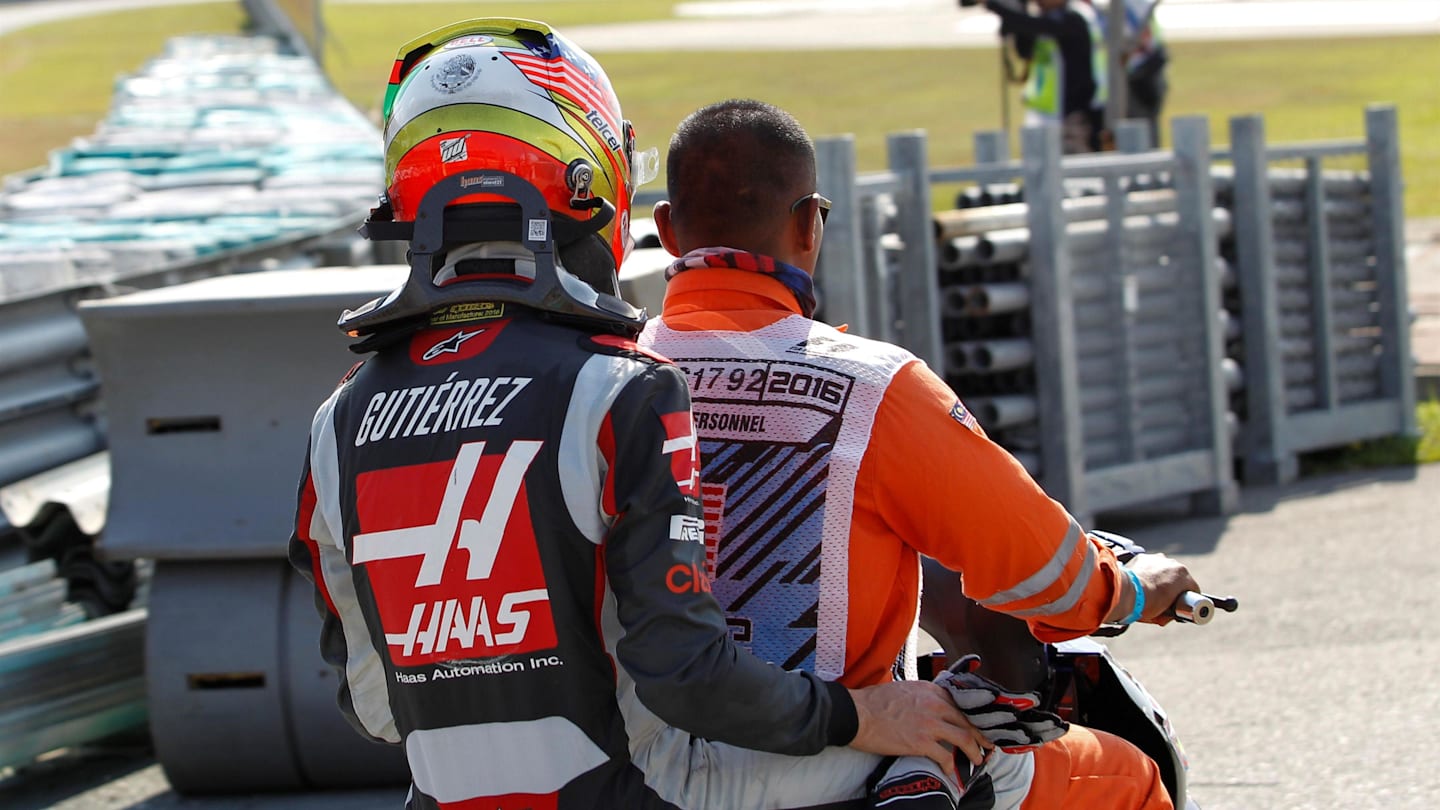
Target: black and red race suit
x,y
500,515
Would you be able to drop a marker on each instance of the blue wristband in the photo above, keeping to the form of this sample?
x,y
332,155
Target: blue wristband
x,y
1139,598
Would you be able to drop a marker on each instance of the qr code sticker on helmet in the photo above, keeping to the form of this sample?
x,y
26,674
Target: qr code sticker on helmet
x,y
538,230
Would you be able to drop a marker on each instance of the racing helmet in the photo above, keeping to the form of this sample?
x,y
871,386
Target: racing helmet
x,y
478,115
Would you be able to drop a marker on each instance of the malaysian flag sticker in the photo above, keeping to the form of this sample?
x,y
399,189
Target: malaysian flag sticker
x,y
964,417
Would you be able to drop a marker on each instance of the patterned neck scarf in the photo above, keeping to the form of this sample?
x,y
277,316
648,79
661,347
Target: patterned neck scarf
x,y
795,280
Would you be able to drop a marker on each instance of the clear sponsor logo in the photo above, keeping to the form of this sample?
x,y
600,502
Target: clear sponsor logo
x,y
434,625
685,578
603,129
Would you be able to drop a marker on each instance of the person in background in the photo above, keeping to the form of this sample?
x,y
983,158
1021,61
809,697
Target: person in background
x,y
832,463
1146,59
1064,47
499,508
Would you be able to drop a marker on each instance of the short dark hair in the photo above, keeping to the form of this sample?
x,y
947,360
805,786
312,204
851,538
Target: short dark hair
x,y
735,167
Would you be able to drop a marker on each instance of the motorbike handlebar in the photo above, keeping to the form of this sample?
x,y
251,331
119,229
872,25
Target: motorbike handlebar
x,y
1199,608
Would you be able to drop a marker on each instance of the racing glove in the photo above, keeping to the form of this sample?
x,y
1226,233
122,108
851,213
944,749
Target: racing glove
x,y
1013,721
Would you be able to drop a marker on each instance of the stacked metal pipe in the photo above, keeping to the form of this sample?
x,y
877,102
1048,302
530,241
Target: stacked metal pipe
x,y
985,316
1325,260
1137,312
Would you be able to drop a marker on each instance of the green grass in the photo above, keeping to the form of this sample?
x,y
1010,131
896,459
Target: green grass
x,y
1428,417
1391,451
56,80
1305,89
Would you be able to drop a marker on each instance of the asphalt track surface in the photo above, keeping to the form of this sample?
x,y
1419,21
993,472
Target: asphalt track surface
x,y
1321,692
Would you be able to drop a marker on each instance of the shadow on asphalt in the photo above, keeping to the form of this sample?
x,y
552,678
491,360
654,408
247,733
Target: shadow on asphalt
x,y
125,776
69,773
1185,533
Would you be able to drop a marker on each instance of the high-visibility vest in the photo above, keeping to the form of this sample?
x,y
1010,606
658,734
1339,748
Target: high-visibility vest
x,y
1042,90
1047,73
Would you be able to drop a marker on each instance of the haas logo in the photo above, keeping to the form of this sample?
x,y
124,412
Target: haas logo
x,y
452,558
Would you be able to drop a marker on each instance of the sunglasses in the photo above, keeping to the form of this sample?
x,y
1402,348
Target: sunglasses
x,y
819,199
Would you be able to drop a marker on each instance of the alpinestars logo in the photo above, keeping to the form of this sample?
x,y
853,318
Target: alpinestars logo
x,y
437,605
450,345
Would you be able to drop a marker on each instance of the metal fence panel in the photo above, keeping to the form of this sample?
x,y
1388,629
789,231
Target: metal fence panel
x,y
1323,296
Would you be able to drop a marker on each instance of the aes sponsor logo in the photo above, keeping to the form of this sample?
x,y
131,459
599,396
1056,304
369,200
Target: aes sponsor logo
x,y
688,529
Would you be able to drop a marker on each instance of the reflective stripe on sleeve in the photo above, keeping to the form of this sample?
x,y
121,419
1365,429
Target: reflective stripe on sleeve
x,y
1049,574
1072,594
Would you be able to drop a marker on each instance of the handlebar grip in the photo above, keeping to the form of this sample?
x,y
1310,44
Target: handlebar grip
x,y
1192,607
1199,608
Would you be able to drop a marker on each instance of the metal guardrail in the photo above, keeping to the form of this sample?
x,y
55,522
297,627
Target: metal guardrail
x,y
208,429
70,686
